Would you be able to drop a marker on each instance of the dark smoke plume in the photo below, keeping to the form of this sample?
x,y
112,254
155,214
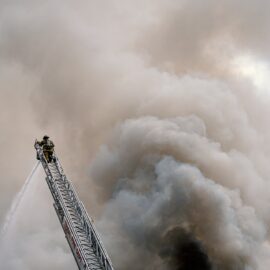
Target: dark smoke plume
x,y
166,102
160,181
182,252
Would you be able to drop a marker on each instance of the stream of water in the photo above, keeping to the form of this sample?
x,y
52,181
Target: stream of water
x,y
16,202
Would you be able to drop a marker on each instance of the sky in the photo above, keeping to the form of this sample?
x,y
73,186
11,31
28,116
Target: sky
x,y
159,113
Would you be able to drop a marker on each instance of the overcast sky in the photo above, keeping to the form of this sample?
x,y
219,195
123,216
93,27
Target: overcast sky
x,y
139,96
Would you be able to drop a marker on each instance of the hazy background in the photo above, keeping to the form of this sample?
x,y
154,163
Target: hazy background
x,y
159,111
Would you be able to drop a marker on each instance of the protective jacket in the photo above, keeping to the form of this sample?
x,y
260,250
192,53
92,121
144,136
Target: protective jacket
x,y
47,145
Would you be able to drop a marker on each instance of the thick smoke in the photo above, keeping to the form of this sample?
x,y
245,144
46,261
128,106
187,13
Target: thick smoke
x,y
161,186
181,251
151,96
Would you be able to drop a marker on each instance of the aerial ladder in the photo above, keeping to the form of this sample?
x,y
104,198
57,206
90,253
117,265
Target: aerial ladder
x,y
80,232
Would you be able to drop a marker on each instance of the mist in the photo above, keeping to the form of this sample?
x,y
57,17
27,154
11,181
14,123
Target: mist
x,y
159,113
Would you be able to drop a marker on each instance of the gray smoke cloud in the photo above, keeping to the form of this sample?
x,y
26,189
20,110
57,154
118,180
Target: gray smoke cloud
x,y
166,102
160,186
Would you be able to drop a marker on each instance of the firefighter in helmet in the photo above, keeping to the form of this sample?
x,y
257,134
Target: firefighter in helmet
x,y
48,148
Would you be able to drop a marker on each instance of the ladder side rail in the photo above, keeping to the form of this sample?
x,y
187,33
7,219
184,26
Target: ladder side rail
x,y
61,172
67,236
71,226
93,229
51,184
71,188
104,258
93,237
71,194
62,203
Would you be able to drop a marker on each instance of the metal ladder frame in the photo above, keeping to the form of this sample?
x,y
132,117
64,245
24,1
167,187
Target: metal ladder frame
x,y
80,232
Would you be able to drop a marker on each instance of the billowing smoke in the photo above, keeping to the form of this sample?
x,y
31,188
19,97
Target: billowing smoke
x,y
170,202
159,112
181,251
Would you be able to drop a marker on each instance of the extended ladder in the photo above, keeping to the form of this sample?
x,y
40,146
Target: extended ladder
x,y
80,232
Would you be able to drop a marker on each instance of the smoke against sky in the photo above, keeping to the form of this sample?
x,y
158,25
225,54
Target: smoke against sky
x,y
30,241
160,187
159,112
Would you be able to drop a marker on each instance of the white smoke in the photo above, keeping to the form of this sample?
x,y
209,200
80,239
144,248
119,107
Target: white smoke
x,y
30,241
187,158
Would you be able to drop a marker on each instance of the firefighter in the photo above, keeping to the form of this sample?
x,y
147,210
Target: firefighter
x,y
48,148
